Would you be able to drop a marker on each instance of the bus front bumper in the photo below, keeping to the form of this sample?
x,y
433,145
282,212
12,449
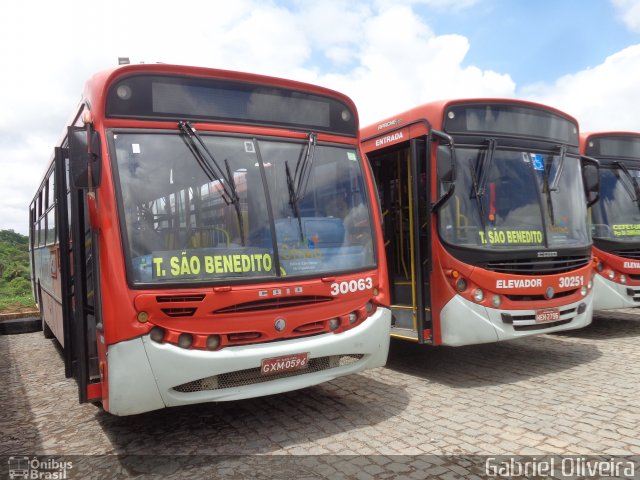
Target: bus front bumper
x,y
463,322
144,375
609,294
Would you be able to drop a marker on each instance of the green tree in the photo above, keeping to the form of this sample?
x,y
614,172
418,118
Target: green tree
x,y
15,283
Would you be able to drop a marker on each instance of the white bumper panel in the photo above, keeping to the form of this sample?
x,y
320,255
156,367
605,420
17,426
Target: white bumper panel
x,y
463,322
609,295
143,373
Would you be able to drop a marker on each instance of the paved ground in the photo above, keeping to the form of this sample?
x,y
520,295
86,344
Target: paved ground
x,y
574,393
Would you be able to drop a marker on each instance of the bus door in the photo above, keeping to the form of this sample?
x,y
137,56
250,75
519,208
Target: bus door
x,y
402,178
80,282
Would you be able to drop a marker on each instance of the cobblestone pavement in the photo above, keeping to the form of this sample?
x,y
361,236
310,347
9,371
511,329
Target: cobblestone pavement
x,y
573,393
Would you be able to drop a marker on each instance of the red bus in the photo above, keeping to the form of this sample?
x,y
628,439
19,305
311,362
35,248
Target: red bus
x,y
205,235
485,220
616,218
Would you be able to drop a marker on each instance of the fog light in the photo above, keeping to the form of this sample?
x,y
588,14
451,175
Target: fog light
x,y
611,274
496,300
478,295
213,342
334,323
143,317
623,279
353,318
185,340
461,284
156,334
368,307
583,291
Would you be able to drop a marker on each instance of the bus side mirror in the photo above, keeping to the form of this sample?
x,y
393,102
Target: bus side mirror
x,y
445,167
84,157
591,179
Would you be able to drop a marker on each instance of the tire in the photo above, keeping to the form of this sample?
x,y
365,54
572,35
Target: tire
x,y
46,331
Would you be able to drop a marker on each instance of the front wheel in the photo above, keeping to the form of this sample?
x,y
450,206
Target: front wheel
x,y
48,333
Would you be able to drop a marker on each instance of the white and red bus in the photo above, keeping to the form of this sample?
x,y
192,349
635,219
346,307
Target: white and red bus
x,y
485,220
616,218
205,235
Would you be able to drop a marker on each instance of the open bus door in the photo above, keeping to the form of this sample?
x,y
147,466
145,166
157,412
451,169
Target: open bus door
x,y
402,176
78,268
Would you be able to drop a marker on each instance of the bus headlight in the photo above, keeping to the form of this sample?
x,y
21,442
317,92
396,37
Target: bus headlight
x,y
478,295
599,266
461,284
185,340
590,284
583,291
213,341
334,323
496,300
623,279
611,274
157,334
353,318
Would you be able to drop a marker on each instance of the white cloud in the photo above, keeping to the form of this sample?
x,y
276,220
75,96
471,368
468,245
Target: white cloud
x,y
402,63
449,5
629,12
379,52
604,97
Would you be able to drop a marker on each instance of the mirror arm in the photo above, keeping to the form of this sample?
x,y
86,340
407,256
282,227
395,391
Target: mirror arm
x,y
447,139
595,162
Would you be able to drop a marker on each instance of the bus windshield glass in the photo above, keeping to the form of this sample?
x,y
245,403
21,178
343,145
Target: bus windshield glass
x,y
508,199
616,216
184,221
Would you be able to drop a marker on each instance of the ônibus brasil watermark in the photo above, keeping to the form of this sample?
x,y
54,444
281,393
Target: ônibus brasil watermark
x,y
35,468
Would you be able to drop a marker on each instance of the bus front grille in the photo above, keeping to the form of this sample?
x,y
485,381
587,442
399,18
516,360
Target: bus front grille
x,y
252,376
274,303
633,253
538,266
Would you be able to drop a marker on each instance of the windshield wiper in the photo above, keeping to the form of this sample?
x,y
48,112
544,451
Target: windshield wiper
x,y
546,188
485,165
214,172
556,179
297,184
635,194
292,199
479,176
476,193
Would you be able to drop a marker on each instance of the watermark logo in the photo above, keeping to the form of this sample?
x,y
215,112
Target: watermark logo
x,y
559,467
36,469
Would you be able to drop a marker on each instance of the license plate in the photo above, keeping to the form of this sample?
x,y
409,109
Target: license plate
x,y
286,363
547,315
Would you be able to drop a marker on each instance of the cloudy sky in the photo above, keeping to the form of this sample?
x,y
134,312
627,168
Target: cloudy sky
x,y
581,56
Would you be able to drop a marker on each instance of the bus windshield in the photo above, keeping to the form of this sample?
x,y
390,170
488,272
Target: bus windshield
x,y
509,199
182,223
617,215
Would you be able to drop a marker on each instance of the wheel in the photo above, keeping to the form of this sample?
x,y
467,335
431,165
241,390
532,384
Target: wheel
x,y
48,333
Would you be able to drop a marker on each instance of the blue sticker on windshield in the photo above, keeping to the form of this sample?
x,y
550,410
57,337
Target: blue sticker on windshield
x,y
538,161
